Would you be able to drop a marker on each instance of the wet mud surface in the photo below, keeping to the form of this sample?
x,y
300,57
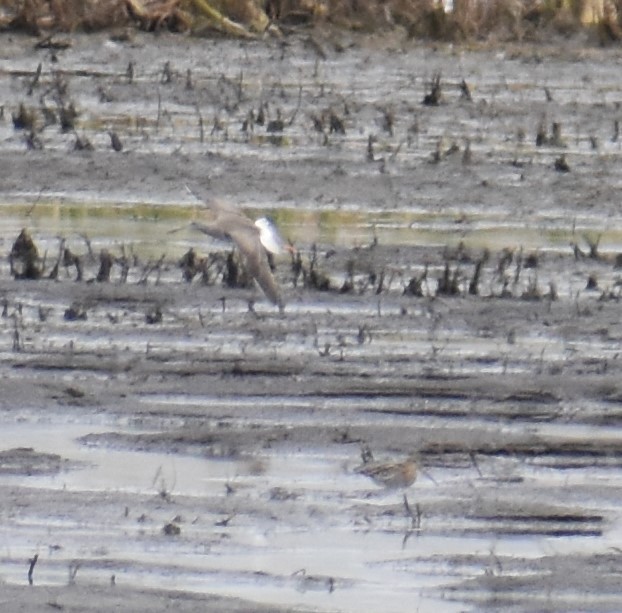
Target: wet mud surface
x,y
165,446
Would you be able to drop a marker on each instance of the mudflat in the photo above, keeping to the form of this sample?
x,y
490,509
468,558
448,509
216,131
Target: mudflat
x,y
180,444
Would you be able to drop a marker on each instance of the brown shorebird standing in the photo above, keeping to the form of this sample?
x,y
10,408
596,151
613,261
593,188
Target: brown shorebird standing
x,y
390,475
252,238
393,476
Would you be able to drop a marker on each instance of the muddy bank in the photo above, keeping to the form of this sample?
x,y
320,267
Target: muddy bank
x,y
96,598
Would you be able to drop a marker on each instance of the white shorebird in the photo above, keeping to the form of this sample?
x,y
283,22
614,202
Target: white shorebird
x,y
253,239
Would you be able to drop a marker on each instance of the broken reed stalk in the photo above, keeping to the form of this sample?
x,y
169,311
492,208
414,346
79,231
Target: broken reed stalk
x,y
34,204
225,24
73,571
293,117
151,267
124,261
32,562
89,246
105,266
475,280
201,128
468,20
157,126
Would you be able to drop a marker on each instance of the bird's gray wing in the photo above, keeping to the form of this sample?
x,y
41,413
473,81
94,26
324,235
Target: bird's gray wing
x,y
221,207
211,229
216,205
231,225
222,223
246,237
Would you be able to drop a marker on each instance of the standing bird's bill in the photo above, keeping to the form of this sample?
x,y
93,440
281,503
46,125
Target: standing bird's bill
x,y
252,239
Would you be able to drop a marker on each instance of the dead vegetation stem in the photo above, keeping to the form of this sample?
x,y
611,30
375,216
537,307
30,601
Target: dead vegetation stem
x,y
460,21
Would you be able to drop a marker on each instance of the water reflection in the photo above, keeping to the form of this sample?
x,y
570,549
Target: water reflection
x,y
147,226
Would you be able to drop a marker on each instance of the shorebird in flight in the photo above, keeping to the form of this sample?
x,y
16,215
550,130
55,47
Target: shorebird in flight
x,y
254,239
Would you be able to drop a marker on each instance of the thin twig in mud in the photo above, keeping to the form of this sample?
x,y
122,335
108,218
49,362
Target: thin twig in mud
x,y
380,285
293,117
34,204
475,279
540,368
157,126
465,91
35,80
159,271
397,150
240,91
158,475
201,129
223,523
44,261
519,266
217,126
370,156
316,68
34,558
475,463
115,141
163,491
388,120
61,250
407,536
73,571
105,266
87,242
434,97
497,562
167,73
593,245
125,265
70,259
149,268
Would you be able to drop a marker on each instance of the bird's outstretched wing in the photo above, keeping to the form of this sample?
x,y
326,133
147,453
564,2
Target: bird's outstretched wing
x,y
216,205
228,223
211,229
222,207
247,240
